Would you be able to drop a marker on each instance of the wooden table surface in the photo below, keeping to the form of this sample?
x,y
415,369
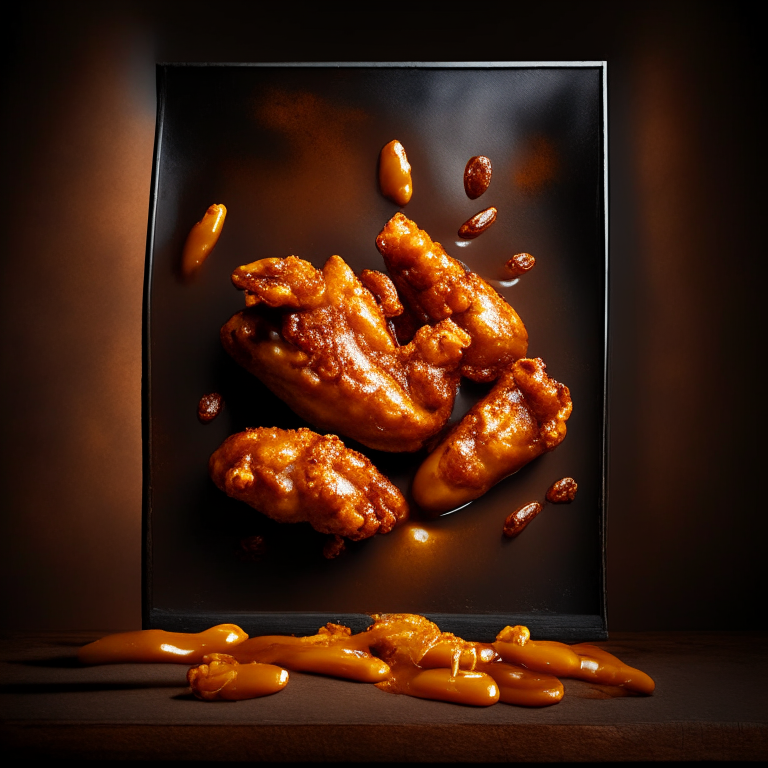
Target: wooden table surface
x,y
710,704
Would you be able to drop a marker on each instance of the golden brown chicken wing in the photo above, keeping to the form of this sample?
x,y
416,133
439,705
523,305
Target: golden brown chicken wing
x,y
522,417
298,476
436,286
320,341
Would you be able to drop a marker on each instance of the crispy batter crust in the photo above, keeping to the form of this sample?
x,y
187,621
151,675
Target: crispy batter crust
x,y
436,286
297,476
320,341
522,417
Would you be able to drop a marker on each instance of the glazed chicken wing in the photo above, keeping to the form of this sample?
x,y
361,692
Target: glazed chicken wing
x,y
297,476
522,417
436,286
320,341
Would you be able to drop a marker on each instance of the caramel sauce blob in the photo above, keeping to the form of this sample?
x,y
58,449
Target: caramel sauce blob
x,y
221,678
399,653
602,667
202,239
477,176
151,645
513,644
474,688
562,491
475,226
517,521
395,173
522,687
461,655
581,662
320,654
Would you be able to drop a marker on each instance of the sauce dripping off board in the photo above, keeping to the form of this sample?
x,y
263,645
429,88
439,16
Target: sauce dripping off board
x,y
399,653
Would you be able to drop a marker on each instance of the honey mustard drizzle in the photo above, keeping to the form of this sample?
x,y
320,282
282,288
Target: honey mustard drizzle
x,y
399,653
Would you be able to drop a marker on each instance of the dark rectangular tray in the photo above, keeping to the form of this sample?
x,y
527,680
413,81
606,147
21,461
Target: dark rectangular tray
x,y
292,151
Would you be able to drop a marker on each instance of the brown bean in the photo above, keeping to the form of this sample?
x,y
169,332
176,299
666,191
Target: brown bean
x,y
477,224
477,176
562,491
209,407
519,264
519,519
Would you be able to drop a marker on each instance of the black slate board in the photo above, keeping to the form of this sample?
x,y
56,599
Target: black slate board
x,y
292,151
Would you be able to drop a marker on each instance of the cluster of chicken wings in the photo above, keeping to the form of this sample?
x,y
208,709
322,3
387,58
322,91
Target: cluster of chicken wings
x,y
436,286
324,341
324,347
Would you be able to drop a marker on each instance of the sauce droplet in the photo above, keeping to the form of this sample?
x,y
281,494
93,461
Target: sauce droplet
x,y
202,239
395,173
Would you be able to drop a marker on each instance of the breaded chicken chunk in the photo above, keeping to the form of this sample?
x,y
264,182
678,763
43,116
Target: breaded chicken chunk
x,y
320,341
522,417
436,286
298,476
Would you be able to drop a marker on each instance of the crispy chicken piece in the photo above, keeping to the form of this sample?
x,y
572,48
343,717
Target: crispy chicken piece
x,y
436,286
320,341
297,476
522,417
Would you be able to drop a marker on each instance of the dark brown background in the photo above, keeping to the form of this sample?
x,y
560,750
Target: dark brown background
x,y
686,517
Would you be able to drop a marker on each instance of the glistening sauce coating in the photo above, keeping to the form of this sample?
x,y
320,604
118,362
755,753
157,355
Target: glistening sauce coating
x,y
399,653
522,417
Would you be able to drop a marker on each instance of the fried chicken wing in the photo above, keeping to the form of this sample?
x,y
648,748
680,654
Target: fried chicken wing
x,y
320,341
436,286
297,476
522,417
